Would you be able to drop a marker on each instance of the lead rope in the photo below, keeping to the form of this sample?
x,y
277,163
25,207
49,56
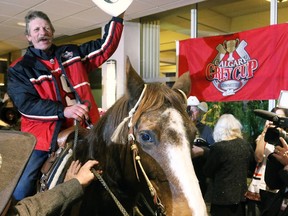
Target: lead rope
x,y
76,135
119,205
98,176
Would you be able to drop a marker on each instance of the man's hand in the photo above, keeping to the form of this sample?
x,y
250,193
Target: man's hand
x,y
77,111
122,15
197,151
281,152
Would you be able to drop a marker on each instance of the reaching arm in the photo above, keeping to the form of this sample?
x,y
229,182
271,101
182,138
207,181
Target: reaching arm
x,y
96,52
56,200
260,145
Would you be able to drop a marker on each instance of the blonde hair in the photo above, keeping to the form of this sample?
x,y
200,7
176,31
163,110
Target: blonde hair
x,y
227,128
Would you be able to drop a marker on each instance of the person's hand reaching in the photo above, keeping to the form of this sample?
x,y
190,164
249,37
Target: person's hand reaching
x,y
281,152
73,170
82,174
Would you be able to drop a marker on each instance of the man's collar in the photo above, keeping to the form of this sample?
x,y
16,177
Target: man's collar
x,y
43,55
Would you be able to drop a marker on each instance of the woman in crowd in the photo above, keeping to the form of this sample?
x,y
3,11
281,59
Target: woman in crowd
x,y
227,165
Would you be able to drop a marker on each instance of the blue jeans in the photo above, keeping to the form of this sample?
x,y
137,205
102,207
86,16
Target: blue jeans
x,y
27,185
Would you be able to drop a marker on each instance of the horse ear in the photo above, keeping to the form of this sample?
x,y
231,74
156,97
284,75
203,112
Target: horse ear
x,y
183,83
134,87
135,83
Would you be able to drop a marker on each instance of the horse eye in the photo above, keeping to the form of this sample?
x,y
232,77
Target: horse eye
x,y
145,137
147,140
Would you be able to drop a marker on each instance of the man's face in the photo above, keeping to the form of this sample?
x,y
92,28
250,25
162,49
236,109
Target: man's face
x,y
195,114
40,34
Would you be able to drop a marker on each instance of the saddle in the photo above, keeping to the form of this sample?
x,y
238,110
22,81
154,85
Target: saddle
x,y
52,169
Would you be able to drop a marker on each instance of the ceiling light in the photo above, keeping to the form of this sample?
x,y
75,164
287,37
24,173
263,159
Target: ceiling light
x,y
24,24
279,1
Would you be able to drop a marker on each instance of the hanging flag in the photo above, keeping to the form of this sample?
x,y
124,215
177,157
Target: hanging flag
x,y
249,65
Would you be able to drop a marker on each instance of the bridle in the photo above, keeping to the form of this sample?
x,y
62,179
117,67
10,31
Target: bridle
x,y
158,209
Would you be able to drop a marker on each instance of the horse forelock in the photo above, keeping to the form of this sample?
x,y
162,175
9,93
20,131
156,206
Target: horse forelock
x,y
157,96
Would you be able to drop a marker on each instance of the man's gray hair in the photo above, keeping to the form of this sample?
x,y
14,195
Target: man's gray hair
x,y
31,15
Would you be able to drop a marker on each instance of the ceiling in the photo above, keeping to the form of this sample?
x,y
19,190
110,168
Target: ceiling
x,y
69,17
72,17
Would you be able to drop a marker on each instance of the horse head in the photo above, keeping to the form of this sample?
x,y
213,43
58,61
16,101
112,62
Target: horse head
x,y
143,143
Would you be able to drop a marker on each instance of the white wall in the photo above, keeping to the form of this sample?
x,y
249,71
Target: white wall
x,y
129,46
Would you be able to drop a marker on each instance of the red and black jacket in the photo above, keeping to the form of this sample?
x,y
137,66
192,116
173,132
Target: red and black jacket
x,y
37,93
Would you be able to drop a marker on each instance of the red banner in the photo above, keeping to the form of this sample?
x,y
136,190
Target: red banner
x,y
250,65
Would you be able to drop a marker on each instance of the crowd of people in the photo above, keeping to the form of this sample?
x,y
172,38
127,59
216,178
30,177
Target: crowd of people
x,y
225,165
259,194
40,85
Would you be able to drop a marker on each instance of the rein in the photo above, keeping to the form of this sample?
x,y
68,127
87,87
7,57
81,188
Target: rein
x,y
119,205
98,176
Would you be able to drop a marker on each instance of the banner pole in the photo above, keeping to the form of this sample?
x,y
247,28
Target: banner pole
x,y
193,33
193,27
177,58
273,20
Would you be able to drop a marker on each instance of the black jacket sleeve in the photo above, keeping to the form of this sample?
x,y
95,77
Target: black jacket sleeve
x,y
273,173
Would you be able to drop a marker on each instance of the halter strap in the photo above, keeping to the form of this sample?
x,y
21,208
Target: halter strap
x,y
160,209
132,111
117,132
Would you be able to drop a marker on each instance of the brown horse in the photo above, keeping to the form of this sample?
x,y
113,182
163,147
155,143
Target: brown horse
x,y
143,145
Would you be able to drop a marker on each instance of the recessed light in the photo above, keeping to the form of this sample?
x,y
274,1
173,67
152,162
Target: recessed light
x,y
21,24
279,1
